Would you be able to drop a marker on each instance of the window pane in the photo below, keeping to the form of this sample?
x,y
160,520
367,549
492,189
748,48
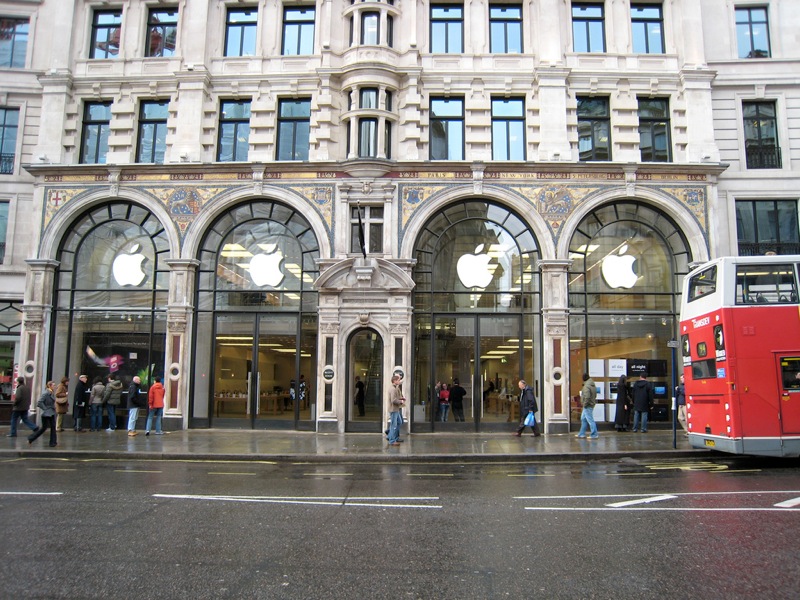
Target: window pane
x,y
13,42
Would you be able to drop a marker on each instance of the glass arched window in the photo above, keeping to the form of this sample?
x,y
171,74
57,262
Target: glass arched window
x,y
111,295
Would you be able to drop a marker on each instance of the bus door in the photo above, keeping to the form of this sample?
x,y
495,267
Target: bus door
x,y
789,373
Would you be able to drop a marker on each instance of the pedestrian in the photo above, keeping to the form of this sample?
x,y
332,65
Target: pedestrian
x,y
155,406
444,402
527,404
622,414
457,394
588,400
96,404
62,402
360,396
112,396
394,406
79,401
680,399
21,407
47,404
133,404
642,401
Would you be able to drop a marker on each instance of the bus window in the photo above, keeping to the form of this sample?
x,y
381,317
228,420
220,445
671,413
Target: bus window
x,y
790,372
703,284
704,369
765,284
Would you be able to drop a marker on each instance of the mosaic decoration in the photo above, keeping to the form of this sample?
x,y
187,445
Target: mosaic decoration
x,y
321,197
56,199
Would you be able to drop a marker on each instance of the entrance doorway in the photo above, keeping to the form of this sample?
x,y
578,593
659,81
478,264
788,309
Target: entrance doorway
x,y
256,380
365,387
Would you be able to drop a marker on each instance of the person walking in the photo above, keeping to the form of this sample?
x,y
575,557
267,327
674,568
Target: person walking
x,y
112,396
360,396
527,404
642,401
588,400
62,402
155,406
47,404
680,399
133,404
79,401
21,407
622,414
457,394
96,404
394,406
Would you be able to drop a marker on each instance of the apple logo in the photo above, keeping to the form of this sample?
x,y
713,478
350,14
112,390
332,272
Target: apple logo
x,y
473,269
265,269
127,268
617,269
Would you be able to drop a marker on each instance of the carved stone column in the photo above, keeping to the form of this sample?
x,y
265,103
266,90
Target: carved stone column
x,y
555,388
36,312
179,347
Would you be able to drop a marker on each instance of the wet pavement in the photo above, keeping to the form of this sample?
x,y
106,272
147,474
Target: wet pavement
x,y
249,445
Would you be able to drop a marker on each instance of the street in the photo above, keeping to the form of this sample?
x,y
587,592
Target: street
x,y
721,528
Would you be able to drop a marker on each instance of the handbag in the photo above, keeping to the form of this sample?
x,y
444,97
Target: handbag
x,y
530,420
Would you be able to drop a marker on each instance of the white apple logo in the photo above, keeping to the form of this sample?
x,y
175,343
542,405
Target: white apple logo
x,y
473,269
265,269
127,268
617,269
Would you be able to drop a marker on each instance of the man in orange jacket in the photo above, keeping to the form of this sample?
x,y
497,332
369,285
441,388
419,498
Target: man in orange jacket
x,y
155,406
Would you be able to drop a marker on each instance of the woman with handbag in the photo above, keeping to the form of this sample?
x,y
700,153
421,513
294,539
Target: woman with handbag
x,y
47,404
62,402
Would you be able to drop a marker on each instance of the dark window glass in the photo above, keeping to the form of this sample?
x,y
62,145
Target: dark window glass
x,y
508,129
152,131
13,42
234,131
761,135
9,124
767,226
298,31
447,129
647,28
162,31
240,32
505,28
106,31
594,129
654,127
588,28
447,29
752,32
96,126
294,121
3,232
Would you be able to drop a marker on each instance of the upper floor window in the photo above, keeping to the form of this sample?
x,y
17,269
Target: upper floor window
x,y
447,29
152,131
9,123
370,28
505,25
647,27
294,124
3,230
654,138
298,31
13,42
240,32
371,228
508,129
447,129
234,130
767,226
761,135
588,28
96,127
162,31
594,129
752,32
106,30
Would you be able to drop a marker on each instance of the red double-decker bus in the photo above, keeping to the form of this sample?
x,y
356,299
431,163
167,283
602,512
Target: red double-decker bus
x,y
740,344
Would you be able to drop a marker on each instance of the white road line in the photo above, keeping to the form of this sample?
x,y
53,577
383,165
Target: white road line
x,y
647,495
31,493
641,501
135,471
233,473
788,503
662,508
372,502
431,474
530,475
49,469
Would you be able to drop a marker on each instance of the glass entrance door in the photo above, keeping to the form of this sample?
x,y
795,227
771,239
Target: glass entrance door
x,y
365,397
500,348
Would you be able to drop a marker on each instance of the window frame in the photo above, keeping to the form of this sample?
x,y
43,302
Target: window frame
x,y
16,59
302,26
8,159
238,123
749,36
780,217
594,120
507,122
371,14
97,27
445,23
758,154
649,124
293,122
167,30
505,23
448,122
646,22
246,30
587,35
103,131
159,127
373,218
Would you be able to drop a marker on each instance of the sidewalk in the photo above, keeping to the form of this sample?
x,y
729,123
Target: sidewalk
x,y
295,446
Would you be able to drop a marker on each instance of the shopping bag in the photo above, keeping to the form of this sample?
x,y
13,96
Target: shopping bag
x,y
530,420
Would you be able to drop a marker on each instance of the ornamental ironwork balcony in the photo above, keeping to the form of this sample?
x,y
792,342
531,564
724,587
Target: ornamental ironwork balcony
x,y
761,248
6,164
763,157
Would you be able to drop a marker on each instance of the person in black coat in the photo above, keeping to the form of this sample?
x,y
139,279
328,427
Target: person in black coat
x,y
47,404
527,403
20,408
80,398
457,394
360,397
643,396
134,403
622,416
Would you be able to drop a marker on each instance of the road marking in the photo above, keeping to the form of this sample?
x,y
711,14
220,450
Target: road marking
x,y
647,495
432,474
789,503
630,474
641,501
371,502
135,471
31,493
231,473
663,508
50,469
530,475
328,474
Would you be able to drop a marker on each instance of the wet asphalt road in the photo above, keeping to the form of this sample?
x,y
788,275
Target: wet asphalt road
x,y
725,528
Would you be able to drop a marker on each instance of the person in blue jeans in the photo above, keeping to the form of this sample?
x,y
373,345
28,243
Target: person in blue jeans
x,y
394,405
643,395
588,400
20,408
